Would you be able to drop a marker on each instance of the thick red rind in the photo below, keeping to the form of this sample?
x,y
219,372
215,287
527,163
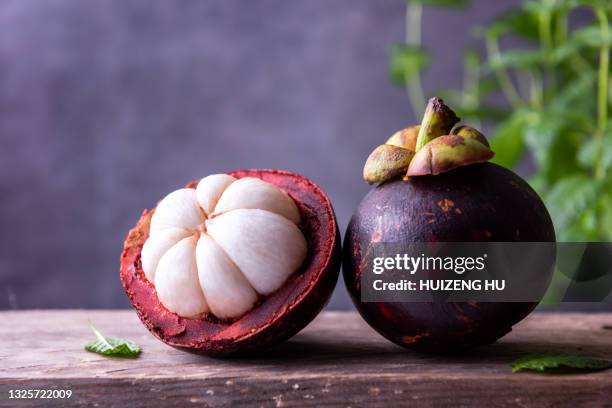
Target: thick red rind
x,y
277,317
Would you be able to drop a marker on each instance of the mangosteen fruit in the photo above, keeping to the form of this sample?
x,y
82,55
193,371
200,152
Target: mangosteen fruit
x,y
233,263
436,185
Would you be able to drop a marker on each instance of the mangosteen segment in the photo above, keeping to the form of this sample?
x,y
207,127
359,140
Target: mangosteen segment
x,y
217,248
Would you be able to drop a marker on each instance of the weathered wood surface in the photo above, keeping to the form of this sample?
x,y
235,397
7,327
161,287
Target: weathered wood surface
x,y
337,361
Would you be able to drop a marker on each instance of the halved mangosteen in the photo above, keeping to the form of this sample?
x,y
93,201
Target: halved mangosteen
x,y
438,187
233,263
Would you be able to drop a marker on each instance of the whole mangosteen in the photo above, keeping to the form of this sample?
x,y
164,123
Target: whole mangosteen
x,y
233,263
436,185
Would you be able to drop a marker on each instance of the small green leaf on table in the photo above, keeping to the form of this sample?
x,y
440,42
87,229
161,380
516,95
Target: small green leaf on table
x,y
110,346
560,363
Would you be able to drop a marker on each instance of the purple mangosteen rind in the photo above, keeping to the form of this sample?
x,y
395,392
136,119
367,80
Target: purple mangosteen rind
x,y
482,202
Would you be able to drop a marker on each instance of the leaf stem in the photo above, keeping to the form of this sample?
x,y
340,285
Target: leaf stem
x,y
536,93
544,29
414,88
546,43
470,95
502,76
561,27
602,90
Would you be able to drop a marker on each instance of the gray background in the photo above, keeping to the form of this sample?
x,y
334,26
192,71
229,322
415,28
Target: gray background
x,y
106,106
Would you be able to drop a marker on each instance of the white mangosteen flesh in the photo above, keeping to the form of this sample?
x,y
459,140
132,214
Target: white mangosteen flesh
x,y
218,248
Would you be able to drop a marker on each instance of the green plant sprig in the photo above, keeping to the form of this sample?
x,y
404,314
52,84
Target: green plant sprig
x,y
557,93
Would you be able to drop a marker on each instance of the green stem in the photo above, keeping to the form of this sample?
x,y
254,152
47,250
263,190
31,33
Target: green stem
x,y
536,92
561,27
546,43
471,87
414,16
544,30
414,88
505,83
602,91
471,74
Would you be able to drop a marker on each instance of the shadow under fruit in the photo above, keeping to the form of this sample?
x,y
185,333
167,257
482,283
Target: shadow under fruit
x,y
451,194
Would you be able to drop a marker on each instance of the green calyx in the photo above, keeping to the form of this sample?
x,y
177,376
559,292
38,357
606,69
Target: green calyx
x,y
386,162
445,153
438,120
405,138
391,159
469,132
436,146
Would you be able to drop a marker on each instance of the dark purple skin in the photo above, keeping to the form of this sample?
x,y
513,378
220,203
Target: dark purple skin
x,y
479,202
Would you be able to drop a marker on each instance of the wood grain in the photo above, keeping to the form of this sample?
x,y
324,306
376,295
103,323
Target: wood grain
x,y
337,361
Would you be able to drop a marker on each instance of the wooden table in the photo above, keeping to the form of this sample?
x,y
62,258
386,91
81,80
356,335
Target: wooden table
x,y
337,361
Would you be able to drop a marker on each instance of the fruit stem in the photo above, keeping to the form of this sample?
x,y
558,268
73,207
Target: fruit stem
x,y
503,78
438,120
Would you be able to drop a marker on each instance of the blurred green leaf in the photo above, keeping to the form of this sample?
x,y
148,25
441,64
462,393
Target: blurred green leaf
x,y
540,134
486,86
521,23
584,228
588,152
507,141
606,219
574,90
591,36
552,139
538,183
443,3
471,59
563,161
604,4
484,113
570,197
564,51
538,7
520,59
406,63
